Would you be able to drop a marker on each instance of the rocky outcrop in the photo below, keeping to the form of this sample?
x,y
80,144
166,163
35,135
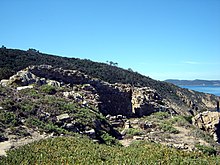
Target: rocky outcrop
x,y
195,102
113,99
209,122
84,94
146,101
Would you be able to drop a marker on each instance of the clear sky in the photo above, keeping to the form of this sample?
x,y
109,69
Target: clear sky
x,y
159,38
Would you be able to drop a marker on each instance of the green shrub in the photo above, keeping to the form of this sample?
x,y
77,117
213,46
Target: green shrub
x,y
48,89
206,149
188,118
180,121
75,150
161,115
108,139
168,128
198,133
8,118
133,131
9,104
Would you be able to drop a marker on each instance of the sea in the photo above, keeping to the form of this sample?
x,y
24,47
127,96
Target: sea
x,y
206,89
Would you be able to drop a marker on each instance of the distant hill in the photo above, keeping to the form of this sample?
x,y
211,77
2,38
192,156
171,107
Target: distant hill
x,y
194,82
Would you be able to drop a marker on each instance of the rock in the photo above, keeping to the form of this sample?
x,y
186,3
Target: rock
x,y
91,133
53,83
138,137
114,99
117,123
4,82
23,77
135,121
180,146
108,116
71,127
146,125
119,117
145,101
63,117
24,87
88,87
209,122
127,124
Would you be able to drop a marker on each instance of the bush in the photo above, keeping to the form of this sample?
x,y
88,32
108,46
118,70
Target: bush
x,y
48,89
8,118
75,150
108,139
206,150
133,131
168,128
161,115
198,133
180,121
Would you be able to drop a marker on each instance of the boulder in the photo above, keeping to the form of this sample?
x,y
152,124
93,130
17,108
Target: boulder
x,y
91,133
24,87
53,83
4,82
209,122
145,101
63,117
127,124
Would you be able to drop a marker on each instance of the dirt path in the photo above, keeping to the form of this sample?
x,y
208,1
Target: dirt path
x,y
12,143
4,146
126,142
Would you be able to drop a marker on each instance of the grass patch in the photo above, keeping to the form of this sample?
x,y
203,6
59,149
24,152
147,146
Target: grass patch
x,y
206,149
75,150
133,132
168,128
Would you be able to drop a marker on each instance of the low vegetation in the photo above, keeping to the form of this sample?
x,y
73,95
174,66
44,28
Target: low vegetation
x,y
78,150
38,109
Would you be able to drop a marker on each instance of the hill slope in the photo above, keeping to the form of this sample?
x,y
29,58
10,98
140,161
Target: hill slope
x,y
181,100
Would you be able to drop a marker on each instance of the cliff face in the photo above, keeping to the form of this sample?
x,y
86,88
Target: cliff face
x,y
114,99
209,122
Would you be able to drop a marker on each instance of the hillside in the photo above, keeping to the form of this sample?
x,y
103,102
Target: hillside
x,y
194,82
13,60
48,98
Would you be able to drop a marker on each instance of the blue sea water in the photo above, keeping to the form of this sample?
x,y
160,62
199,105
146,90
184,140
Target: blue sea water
x,y
206,89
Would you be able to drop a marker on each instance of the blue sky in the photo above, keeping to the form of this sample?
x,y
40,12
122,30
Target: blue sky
x,y
159,38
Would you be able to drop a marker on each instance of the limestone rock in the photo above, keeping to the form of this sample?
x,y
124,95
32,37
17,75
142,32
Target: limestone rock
x,y
63,117
145,101
4,82
209,122
24,87
114,99
91,133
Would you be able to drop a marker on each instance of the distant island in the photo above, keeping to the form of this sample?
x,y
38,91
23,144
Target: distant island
x,y
194,82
